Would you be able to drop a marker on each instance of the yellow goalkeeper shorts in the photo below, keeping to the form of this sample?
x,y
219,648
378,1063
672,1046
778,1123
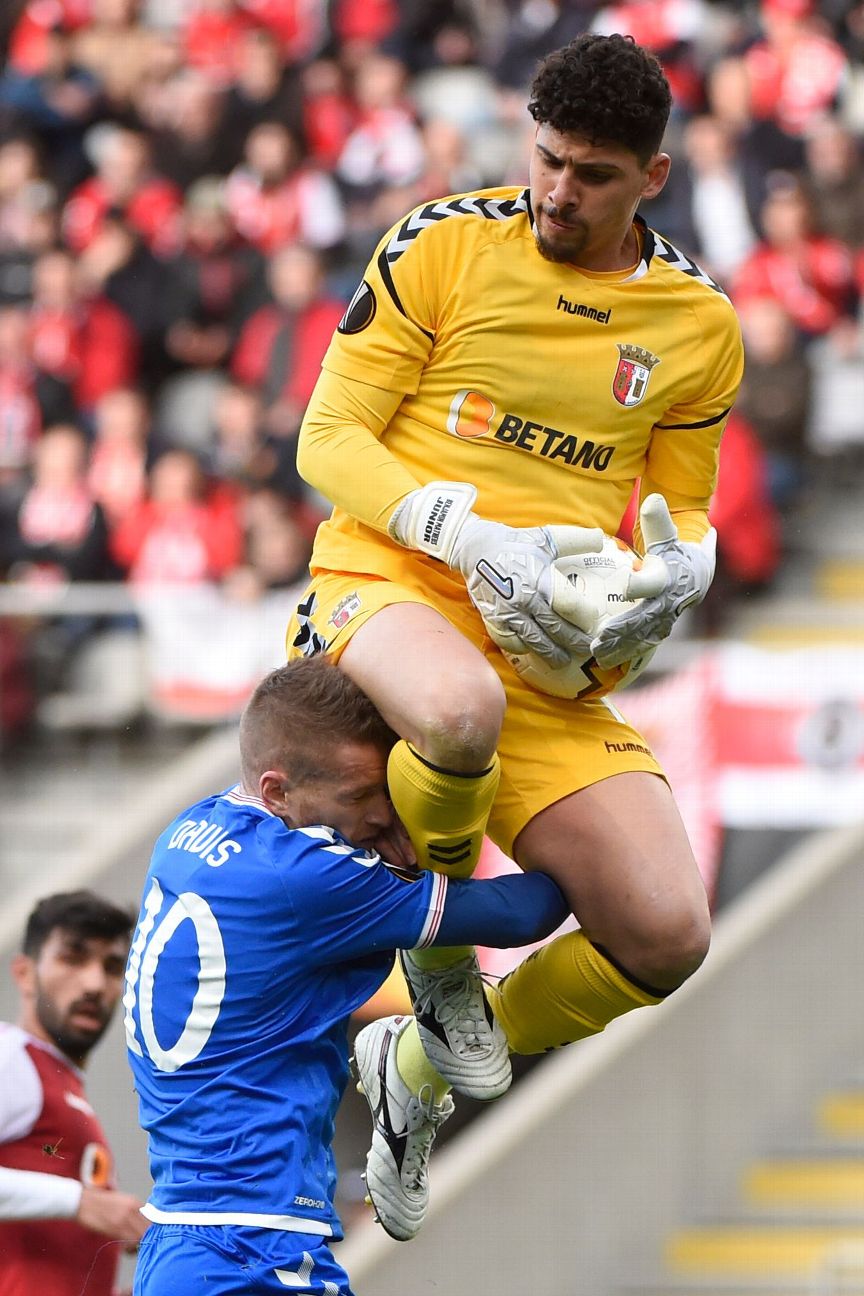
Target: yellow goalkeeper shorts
x,y
548,747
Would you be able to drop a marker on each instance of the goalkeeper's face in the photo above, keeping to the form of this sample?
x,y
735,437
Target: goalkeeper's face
x,y
584,196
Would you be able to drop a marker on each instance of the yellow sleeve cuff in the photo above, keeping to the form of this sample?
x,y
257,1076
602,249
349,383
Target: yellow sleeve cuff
x,y
689,513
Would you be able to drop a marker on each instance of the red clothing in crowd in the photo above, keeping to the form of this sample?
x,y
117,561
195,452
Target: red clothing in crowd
x,y
47,1125
859,272
664,27
94,348
797,85
748,528
29,39
311,331
210,42
365,20
153,212
60,516
815,282
60,536
180,543
268,218
328,119
296,24
117,478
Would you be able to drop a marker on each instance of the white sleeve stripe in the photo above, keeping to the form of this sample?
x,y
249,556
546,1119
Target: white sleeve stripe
x,y
435,913
21,1096
30,1195
318,832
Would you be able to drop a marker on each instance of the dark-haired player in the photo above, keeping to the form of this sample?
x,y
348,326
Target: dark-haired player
x,y
63,1220
512,363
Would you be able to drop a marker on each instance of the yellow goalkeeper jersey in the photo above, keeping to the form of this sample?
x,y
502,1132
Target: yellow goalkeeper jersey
x,y
550,388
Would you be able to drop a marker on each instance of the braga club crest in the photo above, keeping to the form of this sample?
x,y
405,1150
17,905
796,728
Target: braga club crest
x,y
634,370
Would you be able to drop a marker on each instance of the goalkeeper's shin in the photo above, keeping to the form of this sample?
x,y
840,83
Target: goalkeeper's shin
x,y
445,816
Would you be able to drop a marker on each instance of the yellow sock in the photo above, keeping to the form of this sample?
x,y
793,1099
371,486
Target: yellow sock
x,y
562,993
415,1068
445,815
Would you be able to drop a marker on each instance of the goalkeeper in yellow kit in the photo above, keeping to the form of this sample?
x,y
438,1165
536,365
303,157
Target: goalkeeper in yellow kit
x,y
512,362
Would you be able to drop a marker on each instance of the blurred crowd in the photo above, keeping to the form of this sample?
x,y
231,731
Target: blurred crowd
x,y
190,189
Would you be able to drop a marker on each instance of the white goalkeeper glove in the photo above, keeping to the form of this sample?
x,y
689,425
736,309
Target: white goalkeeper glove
x,y
508,570
690,569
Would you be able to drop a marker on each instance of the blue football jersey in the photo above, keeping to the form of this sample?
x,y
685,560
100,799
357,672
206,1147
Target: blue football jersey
x,y
254,944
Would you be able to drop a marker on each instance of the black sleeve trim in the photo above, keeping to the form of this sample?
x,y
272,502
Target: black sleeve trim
x,y
674,427
384,267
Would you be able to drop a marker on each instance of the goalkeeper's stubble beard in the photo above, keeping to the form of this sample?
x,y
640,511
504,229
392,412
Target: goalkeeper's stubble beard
x,y
557,244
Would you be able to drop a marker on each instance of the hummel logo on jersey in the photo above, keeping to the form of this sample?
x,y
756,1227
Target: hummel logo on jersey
x,y
583,311
628,747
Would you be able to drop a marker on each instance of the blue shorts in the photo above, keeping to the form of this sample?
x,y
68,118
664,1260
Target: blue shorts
x,y
229,1260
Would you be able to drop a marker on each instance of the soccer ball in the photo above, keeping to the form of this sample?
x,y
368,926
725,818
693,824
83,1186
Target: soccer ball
x,y
602,579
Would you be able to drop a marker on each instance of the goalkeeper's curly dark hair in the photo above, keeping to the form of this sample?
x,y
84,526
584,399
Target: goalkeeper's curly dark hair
x,y
607,89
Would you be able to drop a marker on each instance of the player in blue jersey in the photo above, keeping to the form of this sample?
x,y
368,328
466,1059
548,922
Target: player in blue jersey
x,y
270,913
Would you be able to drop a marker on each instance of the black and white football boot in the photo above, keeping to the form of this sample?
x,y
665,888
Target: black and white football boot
x,y
458,1030
403,1130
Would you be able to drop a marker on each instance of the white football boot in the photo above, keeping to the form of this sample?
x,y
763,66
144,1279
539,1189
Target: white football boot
x,y
403,1130
458,1030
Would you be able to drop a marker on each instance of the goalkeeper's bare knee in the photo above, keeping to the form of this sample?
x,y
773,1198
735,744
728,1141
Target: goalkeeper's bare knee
x,y
457,724
667,954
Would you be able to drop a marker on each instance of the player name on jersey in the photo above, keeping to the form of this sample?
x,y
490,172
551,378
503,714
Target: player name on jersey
x,y
199,836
